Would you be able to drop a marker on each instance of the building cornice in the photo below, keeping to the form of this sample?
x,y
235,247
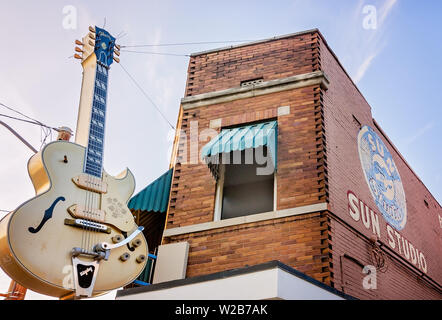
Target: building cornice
x,y
285,36
263,88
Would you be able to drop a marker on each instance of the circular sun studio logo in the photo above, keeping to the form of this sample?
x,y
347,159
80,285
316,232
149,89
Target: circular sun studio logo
x,y
382,178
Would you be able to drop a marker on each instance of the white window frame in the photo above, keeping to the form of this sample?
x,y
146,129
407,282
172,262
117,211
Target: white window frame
x,y
220,188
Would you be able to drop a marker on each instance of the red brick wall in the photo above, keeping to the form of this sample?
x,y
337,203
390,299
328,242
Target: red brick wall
x,y
343,102
350,250
270,60
300,177
300,134
299,241
318,162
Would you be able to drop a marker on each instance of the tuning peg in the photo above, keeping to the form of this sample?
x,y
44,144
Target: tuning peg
x,y
92,29
78,42
76,56
117,52
78,49
91,43
91,36
117,46
117,60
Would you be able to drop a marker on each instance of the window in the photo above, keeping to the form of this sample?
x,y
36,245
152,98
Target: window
x,y
246,188
243,161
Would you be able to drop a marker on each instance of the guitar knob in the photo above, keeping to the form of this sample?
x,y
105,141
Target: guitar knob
x,y
117,238
136,243
125,256
141,258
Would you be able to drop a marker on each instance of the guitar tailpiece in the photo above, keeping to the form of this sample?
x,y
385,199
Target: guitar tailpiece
x,y
85,275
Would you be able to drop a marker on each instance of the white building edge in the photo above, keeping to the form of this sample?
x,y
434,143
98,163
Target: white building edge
x,y
270,280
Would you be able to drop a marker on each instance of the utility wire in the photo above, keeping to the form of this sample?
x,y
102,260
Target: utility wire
x,y
183,43
38,123
20,113
46,131
158,53
146,95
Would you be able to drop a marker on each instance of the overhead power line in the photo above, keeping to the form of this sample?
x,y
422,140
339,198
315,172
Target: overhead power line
x,y
146,95
45,129
20,113
158,53
28,121
182,43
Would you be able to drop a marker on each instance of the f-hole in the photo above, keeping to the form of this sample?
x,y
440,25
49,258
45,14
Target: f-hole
x,y
47,216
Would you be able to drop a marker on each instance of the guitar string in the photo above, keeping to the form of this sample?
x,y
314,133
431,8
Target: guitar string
x,y
89,183
91,212
94,202
83,233
87,208
89,179
94,205
88,194
86,214
92,199
99,171
105,81
94,179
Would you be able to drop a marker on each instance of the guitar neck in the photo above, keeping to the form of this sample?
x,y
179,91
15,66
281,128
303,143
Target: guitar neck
x,y
97,56
95,146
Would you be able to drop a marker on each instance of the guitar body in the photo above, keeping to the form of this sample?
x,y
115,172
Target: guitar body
x,y
35,242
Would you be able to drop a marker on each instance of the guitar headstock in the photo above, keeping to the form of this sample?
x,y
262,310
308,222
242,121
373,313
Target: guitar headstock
x,y
100,42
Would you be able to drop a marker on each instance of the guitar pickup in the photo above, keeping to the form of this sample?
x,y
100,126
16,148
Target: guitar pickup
x,y
91,183
78,211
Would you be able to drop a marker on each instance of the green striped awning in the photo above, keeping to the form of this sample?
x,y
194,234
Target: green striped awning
x,y
242,138
155,197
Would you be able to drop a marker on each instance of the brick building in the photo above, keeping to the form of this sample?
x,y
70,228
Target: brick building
x,y
340,199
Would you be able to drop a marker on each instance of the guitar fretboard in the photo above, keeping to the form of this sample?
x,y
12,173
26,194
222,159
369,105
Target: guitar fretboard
x,y
94,154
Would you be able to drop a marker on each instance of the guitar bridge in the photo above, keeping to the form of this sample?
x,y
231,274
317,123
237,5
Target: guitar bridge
x,y
94,226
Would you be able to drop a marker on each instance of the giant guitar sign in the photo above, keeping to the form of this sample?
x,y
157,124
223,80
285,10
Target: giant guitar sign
x,y
78,226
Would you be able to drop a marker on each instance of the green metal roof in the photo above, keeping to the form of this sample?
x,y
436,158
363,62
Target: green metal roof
x,y
155,197
241,138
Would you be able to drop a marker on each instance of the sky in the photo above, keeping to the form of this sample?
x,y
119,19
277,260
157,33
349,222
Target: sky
x,y
390,48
